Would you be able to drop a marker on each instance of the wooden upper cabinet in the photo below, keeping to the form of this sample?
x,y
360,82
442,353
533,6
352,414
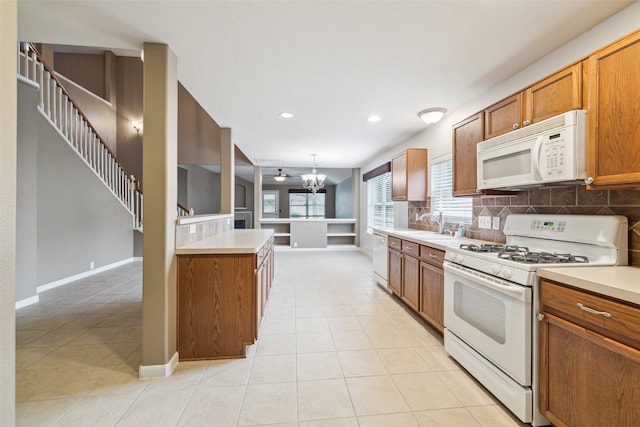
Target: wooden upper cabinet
x,y
613,148
558,93
409,175
466,135
503,116
554,95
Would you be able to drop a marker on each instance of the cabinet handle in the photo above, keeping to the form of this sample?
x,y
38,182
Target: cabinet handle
x,y
540,316
516,125
526,122
433,256
592,311
588,180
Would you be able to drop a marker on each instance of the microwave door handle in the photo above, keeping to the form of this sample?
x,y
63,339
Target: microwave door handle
x,y
535,158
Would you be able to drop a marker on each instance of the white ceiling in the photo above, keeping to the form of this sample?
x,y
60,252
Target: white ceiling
x,y
331,63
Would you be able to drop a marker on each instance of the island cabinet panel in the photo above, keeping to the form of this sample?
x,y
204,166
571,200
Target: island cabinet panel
x,y
216,300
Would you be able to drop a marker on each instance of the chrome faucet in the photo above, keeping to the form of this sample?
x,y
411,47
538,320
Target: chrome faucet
x,y
437,218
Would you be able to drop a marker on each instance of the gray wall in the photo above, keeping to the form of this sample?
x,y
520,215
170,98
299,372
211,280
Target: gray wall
x,y
203,189
27,193
78,220
344,199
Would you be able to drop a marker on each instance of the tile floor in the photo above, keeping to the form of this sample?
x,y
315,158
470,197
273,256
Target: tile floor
x,y
335,350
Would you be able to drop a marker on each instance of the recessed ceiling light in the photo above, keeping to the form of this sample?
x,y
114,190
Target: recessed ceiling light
x,y
373,118
286,114
432,115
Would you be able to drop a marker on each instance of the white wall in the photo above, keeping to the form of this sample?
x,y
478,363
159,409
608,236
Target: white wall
x,y
437,138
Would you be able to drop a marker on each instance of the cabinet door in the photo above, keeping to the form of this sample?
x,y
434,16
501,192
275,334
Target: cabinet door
x,y
411,281
613,150
466,136
409,175
503,116
399,177
554,95
432,295
395,271
586,379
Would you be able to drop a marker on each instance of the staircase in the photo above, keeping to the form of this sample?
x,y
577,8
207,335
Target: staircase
x,y
59,109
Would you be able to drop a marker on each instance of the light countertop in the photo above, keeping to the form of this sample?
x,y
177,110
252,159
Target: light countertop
x,y
229,242
621,282
429,238
288,220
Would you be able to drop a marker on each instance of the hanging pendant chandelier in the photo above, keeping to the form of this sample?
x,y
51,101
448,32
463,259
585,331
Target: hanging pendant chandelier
x,y
313,181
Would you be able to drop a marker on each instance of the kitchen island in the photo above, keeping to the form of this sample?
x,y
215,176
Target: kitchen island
x,y
223,285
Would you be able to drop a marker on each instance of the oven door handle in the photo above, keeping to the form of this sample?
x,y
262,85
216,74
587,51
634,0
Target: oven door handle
x,y
515,291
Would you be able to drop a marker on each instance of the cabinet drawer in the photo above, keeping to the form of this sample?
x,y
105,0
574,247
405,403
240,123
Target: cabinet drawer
x,y
622,322
395,243
411,248
431,255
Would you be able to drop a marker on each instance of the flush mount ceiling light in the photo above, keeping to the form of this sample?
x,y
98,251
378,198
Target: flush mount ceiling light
x,y
432,115
374,118
286,115
313,181
280,177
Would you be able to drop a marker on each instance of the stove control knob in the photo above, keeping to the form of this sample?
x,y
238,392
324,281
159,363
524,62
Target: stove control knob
x,y
507,272
495,269
458,258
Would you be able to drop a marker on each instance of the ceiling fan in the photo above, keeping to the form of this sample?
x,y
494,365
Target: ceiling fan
x,y
281,176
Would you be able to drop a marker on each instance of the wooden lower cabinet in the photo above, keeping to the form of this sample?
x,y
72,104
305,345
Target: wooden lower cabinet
x,y
220,301
411,281
416,277
395,271
432,295
587,379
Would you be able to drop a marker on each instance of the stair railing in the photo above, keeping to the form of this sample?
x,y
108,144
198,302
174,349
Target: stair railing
x,y
57,106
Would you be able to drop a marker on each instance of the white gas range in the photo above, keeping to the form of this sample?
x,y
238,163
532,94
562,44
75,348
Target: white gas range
x,y
491,297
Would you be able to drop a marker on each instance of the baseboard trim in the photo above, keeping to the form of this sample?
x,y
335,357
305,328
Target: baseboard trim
x,y
158,371
82,275
27,301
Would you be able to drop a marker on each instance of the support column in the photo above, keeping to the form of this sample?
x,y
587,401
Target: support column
x,y
159,169
355,183
257,196
8,169
227,175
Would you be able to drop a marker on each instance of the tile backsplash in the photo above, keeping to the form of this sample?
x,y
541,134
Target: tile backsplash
x,y
565,200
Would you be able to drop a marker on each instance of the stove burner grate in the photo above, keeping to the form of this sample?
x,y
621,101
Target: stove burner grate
x,y
493,248
543,257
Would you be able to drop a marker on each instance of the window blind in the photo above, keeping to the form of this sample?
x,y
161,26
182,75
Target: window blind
x,y
379,204
456,209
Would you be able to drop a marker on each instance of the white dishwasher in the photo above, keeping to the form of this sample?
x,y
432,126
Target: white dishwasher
x,y
380,259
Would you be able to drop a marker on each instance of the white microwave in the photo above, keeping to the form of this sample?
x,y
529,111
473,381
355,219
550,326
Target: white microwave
x,y
550,152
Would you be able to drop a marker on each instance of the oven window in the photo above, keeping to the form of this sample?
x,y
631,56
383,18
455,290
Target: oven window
x,y
483,311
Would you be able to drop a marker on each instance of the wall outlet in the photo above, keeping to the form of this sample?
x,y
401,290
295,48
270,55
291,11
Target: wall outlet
x,y
484,222
92,265
192,229
496,223
295,244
